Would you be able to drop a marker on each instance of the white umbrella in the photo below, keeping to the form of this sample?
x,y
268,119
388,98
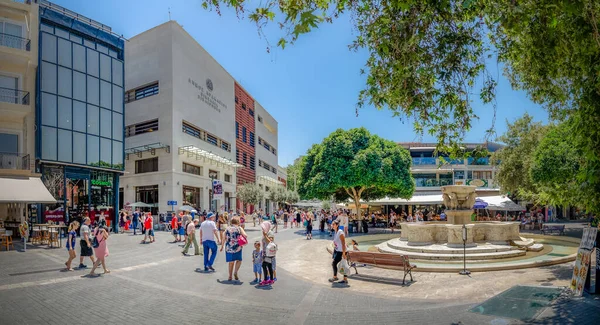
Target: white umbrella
x,y
140,205
187,208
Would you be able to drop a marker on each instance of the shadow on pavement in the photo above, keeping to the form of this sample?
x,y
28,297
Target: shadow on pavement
x,y
378,279
230,282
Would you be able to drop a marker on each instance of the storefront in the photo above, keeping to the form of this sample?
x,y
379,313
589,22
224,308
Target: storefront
x,y
79,193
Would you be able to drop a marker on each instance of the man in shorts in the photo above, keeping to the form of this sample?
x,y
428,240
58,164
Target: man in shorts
x,y
85,243
148,225
175,228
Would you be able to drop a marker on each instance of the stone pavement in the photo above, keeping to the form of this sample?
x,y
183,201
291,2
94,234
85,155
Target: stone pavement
x,y
155,284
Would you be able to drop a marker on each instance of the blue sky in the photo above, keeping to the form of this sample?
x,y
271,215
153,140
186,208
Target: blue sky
x,y
310,88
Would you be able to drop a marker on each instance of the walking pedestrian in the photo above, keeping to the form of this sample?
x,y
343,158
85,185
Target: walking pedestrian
x,y
175,228
149,226
285,220
85,243
339,251
101,251
309,225
72,236
257,259
267,264
135,220
191,238
233,252
209,237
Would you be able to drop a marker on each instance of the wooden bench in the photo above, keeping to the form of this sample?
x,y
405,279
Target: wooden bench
x,y
559,229
381,259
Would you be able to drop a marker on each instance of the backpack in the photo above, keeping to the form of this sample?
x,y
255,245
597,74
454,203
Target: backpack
x,y
95,242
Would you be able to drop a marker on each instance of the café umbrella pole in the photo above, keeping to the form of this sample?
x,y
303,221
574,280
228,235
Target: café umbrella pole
x,y
464,238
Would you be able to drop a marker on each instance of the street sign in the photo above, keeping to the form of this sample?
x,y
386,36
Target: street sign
x,y
171,202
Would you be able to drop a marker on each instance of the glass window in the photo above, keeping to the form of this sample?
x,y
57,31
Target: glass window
x,y
48,109
78,57
102,48
117,99
92,62
89,43
117,72
79,88
93,150
64,113
65,146
49,47
105,152
93,90
105,123
47,28
117,133
64,81
112,53
79,148
146,165
49,77
61,32
79,116
48,143
75,38
105,67
92,119
105,94
64,52
117,151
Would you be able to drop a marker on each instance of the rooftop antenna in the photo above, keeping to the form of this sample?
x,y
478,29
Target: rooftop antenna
x,y
169,13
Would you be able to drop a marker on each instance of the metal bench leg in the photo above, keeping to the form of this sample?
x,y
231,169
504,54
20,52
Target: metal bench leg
x,y
355,270
404,279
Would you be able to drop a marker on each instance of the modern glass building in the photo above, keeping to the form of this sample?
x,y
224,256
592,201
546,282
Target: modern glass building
x,y
79,114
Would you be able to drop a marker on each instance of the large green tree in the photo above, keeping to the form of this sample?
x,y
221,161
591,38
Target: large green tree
x,y
357,165
514,161
250,193
427,58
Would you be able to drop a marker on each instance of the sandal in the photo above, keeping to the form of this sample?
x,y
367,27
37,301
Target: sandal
x,y
229,279
107,271
334,279
236,277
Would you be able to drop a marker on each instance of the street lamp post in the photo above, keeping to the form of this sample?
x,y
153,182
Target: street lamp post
x,y
464,238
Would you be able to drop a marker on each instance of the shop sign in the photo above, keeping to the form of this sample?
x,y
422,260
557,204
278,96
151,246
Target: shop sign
x,y
98,182
205,94
477,182
582,262
217,190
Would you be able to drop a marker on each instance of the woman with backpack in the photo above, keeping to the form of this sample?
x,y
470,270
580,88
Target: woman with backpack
x,y
100,250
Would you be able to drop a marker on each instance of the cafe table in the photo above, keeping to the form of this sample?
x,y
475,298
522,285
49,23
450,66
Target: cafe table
x,y
58,229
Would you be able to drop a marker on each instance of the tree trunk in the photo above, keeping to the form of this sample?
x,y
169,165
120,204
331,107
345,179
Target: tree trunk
x,y
357,205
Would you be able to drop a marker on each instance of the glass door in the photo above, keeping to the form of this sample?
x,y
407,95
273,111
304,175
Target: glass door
x,y
9,87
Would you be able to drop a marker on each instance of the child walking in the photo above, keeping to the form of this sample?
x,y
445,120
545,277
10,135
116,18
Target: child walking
x,y
267,264
72,236
257,259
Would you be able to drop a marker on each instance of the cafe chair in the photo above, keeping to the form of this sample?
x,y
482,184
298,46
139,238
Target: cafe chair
x,y
6,240
53,237
36,236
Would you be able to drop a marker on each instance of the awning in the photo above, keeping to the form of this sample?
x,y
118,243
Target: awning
x,y
501,203
24,190
417,199
201,153
268,179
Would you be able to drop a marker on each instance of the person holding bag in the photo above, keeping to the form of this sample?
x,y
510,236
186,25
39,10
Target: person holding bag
x,y
339,251
100,250
235,239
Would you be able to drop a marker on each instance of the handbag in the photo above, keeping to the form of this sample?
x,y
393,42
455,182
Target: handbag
x,y
95,241
242,240
343,267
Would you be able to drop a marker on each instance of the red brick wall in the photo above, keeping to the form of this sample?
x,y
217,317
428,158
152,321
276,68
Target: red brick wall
x,y
283,180
244,119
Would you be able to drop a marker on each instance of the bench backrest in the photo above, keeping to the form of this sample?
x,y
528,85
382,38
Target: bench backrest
x,y
377,258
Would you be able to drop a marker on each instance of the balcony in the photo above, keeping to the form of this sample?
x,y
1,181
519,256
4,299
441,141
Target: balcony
x,y
14,161
479,161
15,42
424,161
426,182
14,96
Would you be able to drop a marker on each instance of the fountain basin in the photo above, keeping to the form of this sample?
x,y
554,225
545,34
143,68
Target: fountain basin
x,y
428,233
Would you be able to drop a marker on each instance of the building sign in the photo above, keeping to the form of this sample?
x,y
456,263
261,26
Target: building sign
x,y
98,182
205,94
477,182
217,190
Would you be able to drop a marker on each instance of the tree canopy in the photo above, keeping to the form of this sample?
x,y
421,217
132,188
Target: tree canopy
x,y
428,58
250,193
355,164
280,196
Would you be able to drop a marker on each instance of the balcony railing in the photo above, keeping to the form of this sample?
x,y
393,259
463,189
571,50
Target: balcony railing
x,y
423,182
479,161
424,161
14,161
14,96
15,42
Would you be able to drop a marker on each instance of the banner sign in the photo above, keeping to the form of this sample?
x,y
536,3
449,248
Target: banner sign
x,y
582,263
217,190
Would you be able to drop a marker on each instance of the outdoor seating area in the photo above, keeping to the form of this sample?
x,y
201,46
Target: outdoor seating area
x,y
48,234
559,229
382,259
6,241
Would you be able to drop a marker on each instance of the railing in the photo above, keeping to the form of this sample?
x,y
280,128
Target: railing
x,y
448,161
424,161
15,42
14,96
479,161
424,182
14,161
75,15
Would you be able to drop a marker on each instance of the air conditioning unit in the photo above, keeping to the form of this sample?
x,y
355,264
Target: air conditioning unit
x,y
9,162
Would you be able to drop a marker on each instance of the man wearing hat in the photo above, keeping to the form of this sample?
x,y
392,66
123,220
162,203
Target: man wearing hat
x,y
209,236
191,238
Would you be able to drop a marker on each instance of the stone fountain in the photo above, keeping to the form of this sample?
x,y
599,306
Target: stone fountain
x,y
492,239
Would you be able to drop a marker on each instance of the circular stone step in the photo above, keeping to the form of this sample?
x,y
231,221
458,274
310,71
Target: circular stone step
x,y
451,256
402,245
